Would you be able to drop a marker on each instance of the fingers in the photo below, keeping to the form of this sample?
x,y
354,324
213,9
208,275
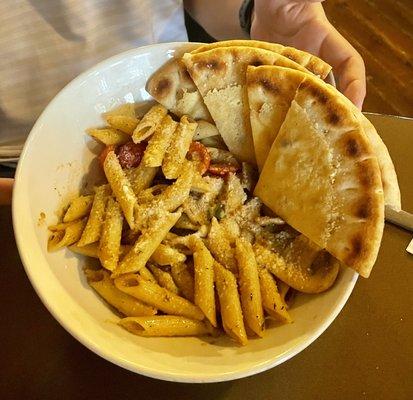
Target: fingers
x,y
352,81
348,66
6,190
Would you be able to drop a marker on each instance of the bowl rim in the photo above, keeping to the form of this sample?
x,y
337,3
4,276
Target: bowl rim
x,y
19,202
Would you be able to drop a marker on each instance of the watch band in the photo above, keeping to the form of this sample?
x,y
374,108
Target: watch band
x,y
245,14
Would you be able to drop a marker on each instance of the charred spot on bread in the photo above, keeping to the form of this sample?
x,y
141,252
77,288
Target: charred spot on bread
x,y
256,62
356,250
185,74
352,147
364,209
163,86
365,175
333,117
211,64
268,85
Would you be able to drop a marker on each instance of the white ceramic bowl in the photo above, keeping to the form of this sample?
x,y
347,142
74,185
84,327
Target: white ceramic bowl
x,y
56,156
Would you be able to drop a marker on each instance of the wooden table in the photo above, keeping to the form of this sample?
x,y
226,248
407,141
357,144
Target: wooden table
x,y
367,353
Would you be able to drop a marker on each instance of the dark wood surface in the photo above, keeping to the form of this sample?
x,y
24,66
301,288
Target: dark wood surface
x,y
382,31
366,353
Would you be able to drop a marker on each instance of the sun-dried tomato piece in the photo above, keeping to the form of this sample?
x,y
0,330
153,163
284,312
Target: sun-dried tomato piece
x,y
199,153
222,169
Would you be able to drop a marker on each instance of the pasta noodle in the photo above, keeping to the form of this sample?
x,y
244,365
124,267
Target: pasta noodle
x,y
249,286
109,248
159,142
65,237
158,297
230,306
93,226
78,208
204,294
127,305
109,136
121,187
147,125
164,325
179,146
147,243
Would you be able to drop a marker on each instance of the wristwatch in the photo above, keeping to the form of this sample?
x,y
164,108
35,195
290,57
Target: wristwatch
x,y
245,14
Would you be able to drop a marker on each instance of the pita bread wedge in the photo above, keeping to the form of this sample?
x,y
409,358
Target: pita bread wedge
x,y
219,75
312,63
172,87
322,177
270,92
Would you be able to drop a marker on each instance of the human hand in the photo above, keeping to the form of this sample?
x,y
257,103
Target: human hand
x,y
6,189
304,25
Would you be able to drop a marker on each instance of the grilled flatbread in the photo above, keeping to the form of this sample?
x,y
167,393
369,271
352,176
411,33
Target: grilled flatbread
x,y
219,75
322,177
270,92
172,87
312,63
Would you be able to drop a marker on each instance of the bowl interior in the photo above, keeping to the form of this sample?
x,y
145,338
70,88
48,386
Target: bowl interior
x,y
55,160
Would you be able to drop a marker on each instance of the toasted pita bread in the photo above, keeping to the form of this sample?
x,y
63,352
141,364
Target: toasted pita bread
x,y
312,63
173,88
270,92
322,177
219,75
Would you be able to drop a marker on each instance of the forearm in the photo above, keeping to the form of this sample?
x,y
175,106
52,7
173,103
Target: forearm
x,y
218,17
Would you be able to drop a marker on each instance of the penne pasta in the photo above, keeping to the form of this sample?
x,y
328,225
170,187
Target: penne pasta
x,y
164,325
272,301
220,246
158,297
167,255
78,208
141,177
127,305
149,122
93,227
121,187
184,279
164,279
230,306
65,237
159,143
123,123
147,243
234,196
150,194
92,249
204,293
249,285
283,289
109,247
127,109
109,136
146,274
179,146
171,198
